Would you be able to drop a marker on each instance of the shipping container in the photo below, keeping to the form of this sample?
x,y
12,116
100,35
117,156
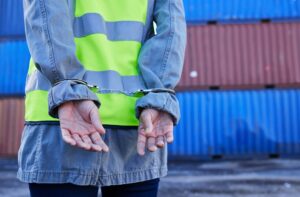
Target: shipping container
x,y
238,123
13,65
202,11
11,18
242,55
12,122
197,11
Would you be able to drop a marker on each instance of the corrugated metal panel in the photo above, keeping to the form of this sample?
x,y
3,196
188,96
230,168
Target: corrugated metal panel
x,y
239,55
238,123
13,65
11,121
11,18
241,10
12,23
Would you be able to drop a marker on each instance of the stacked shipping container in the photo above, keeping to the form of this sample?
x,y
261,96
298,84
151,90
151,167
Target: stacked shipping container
x,y
241,11
242,55
239,123
240,48
13,65
11,19
11,121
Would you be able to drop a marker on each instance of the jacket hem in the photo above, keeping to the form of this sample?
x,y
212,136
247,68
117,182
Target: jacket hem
x,y
90,179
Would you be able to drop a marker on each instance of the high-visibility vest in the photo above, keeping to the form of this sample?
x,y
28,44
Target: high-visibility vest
x,y
108,37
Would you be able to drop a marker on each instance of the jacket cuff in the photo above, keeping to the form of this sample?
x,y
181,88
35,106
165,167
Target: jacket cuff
x,y
161,101
68,90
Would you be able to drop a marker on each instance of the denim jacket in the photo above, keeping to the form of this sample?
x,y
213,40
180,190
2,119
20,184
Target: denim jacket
x,y
49,33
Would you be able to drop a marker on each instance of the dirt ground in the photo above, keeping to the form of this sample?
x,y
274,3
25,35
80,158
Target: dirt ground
x,y
247,178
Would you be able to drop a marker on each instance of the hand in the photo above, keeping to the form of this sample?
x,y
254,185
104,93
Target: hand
x,y
81,126
156,127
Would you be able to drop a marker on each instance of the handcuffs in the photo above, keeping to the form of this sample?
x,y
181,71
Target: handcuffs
x,y
136,93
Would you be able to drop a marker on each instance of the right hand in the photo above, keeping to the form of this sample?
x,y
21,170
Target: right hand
x,y
155,130
81,126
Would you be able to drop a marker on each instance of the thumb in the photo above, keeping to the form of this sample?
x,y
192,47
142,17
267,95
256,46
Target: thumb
x,y
146,121
95,119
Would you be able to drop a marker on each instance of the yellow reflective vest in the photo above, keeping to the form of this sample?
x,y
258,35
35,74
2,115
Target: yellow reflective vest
x,y
108,37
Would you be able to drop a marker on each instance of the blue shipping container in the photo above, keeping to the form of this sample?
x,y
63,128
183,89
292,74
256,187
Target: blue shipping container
x,y
238,123
12,24
11,18
241,10
13,65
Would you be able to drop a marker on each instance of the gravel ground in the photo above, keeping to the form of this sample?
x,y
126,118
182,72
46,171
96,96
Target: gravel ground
x,y
247,178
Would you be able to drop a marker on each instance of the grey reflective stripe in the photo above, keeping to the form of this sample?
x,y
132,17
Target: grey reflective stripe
x,y
110,81
37,81
93,23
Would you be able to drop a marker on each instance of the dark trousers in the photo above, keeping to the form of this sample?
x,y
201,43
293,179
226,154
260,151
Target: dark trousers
x,y
141,189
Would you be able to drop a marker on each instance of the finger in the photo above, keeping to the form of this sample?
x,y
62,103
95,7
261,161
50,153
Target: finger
x,y
141,144
146,121
151,144
86,139
169,133
95,119
141,128
160,141
80,143
67,137
96,138
96,147
170,137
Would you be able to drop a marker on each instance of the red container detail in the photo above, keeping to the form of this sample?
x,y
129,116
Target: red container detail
x,y
11,122
242,55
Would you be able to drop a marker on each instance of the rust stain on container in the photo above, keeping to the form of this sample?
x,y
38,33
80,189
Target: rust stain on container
x,y
242,55
11,125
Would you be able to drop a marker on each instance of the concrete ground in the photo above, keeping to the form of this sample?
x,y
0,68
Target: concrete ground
x,y
247,178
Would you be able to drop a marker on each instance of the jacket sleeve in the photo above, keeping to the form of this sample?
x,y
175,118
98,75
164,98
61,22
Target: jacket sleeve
x,y
161,57
49,34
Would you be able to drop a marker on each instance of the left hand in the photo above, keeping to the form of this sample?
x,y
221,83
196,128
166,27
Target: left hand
x,y
81,126
155,129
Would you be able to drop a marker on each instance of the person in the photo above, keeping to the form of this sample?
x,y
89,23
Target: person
x,y
100,106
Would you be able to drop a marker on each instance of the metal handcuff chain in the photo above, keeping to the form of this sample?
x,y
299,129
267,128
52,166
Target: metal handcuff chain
x,y
136,93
